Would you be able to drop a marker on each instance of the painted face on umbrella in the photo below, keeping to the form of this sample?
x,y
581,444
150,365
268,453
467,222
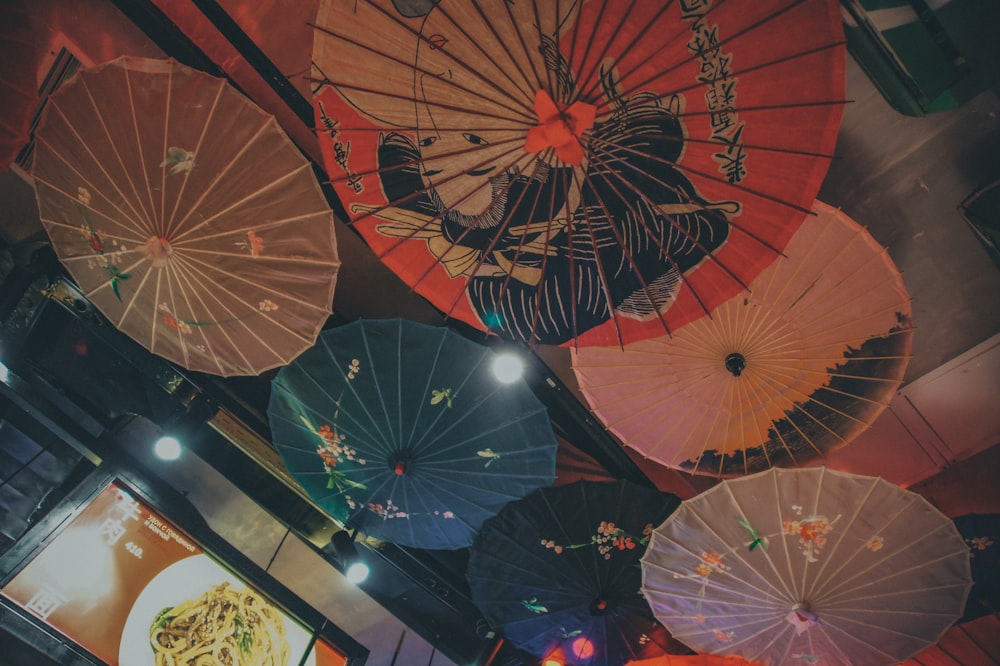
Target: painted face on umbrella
x,y
459,159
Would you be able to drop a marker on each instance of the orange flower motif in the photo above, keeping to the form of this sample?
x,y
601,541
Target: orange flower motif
x,y
713,559
703,570
875,543
606,528
560,128
171,321
256,244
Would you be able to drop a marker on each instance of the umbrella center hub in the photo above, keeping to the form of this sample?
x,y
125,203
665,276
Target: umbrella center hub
x,y
736,363
401,464
158,250
560,127
600,607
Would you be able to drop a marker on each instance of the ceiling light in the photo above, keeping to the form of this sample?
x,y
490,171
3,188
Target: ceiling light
x,y
345,552
167,448
507,368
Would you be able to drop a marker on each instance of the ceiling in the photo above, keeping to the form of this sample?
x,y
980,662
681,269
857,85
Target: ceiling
x,y
902,177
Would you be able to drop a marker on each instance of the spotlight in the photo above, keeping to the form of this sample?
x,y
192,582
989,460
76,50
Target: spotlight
x,y
345,552
507,368
167,448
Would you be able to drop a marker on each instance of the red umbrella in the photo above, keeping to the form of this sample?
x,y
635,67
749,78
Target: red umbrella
x,y
597,171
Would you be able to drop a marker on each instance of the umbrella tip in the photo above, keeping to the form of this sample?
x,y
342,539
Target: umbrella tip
x,y
736,363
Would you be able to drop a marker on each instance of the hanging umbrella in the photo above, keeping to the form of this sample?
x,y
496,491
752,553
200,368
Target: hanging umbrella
x,y
18,87
981,532
692,660
558,571
807,566
402,431
588,171
186,215
801,364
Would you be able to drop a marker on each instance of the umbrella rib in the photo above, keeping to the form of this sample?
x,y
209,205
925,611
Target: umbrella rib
x,y
620,239
592,88
157,224
143,216
483,433
839,590
104,234
393,444
136,218
418,70
218,178
815,593
195,269
169,227
550,221
489,23
381,443
664,71
770,590
208,267
429,438
427,389
166,129
276,183
710,177
183,273
362,433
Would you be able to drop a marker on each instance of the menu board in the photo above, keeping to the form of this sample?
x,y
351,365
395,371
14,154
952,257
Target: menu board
x,y
128,586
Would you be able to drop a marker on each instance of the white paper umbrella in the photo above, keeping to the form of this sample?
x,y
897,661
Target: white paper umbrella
x,y
186,215
807,566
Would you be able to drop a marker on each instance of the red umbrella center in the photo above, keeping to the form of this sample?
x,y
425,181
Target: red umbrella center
x,y
560,128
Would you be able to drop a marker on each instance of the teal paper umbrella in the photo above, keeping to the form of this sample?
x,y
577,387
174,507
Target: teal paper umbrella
x,y
402,430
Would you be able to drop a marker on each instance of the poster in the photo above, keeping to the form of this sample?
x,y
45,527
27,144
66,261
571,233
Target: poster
x,y
128,586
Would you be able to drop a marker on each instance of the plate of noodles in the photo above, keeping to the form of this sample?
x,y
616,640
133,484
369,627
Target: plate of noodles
x,y
195,612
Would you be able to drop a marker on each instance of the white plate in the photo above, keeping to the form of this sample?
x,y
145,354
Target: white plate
x,y
187,579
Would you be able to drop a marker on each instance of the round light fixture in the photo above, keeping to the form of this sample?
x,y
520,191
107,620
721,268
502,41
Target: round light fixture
x,y
356,573
167,448
507,368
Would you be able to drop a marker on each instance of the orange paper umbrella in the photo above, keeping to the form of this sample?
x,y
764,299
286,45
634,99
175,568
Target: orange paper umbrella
x,y
801,364
186,215
578,171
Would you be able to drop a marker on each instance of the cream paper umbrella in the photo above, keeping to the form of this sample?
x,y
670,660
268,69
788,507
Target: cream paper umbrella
x,y
800,364
807,566
186,215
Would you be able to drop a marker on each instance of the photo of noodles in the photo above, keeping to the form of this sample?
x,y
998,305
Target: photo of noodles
x,y
224,626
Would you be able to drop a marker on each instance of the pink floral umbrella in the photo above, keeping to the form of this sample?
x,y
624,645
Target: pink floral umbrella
x,y
807,566
186,215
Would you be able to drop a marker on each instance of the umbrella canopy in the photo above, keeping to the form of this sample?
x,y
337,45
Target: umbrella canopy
x,y
186,215
802,363
590,171
558,570
981,532
18,88
402,431
807,566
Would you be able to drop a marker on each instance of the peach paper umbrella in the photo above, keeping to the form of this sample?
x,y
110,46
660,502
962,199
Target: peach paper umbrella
x,y
186,215
807,566
801,364
577,172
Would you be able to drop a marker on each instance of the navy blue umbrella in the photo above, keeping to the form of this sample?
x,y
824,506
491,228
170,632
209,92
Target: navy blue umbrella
x,y
558,572
981,532
402,431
